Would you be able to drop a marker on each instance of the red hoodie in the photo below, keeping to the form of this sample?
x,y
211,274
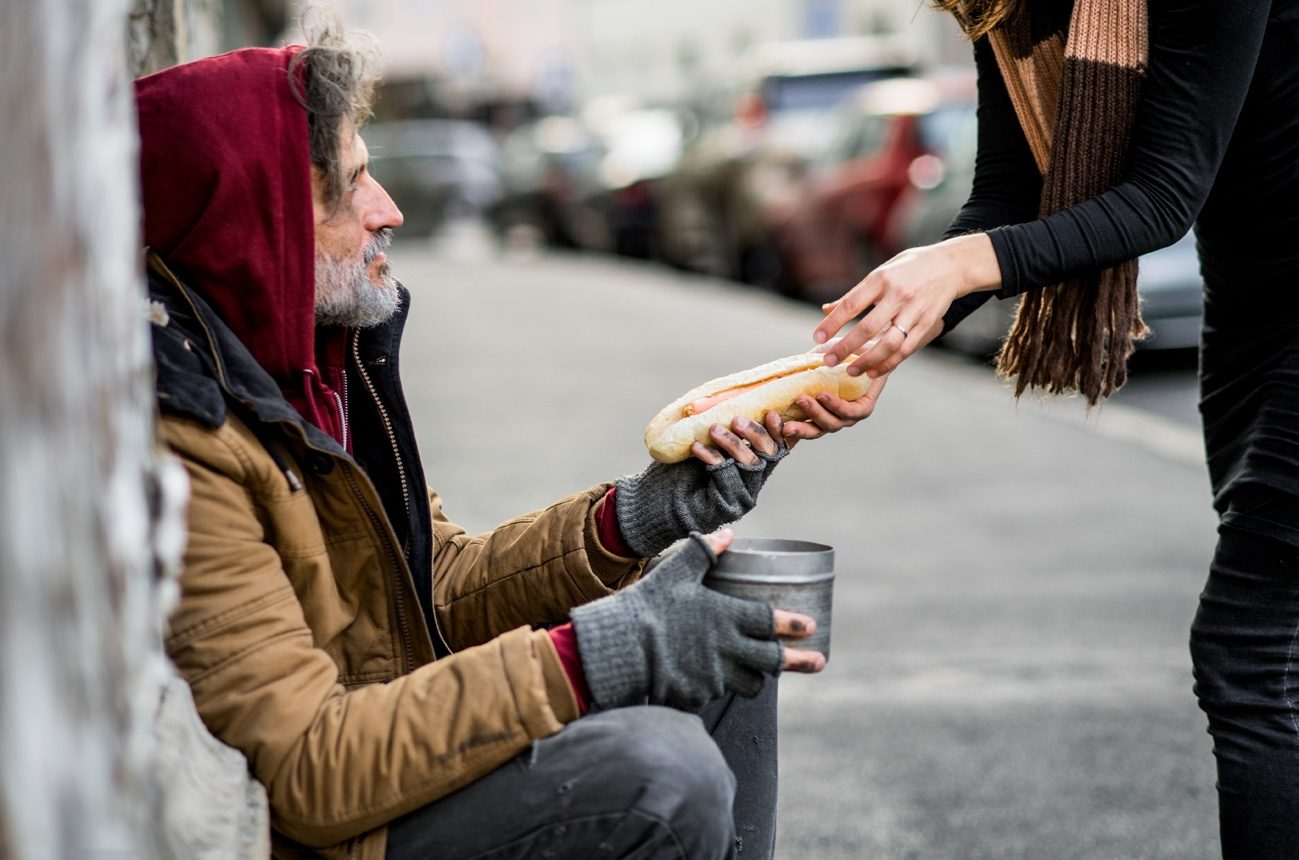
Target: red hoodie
x,y
226,173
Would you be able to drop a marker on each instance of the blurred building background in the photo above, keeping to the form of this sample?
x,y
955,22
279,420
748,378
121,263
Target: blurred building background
x,y
562,52
666,51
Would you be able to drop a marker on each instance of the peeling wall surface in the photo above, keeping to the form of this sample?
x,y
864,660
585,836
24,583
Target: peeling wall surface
x,y
103,756
162,33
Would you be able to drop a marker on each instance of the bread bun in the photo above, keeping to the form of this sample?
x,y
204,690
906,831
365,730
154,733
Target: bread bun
x,y
774,385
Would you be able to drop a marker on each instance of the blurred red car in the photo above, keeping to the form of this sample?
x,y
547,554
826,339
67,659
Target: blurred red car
x,y
890,139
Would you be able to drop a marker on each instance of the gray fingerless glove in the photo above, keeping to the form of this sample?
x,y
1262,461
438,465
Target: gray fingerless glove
x,y
666,502
671,640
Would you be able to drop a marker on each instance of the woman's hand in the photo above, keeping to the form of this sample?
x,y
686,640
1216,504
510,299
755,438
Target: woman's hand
x,y
830,414
906,299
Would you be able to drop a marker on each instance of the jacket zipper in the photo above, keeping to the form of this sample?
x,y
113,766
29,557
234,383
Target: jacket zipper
x,y
387,422
401,468
394,556
341,401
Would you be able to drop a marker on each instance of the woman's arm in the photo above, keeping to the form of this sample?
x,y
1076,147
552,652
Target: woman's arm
x,y
1202,58
1007,186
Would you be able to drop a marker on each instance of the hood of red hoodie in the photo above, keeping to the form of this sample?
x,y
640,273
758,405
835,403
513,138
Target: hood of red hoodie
x,y
225,171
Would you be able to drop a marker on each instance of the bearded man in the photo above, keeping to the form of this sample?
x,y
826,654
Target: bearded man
x,y
403,689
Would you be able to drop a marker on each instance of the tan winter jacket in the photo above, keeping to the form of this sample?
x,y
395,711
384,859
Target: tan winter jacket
x,y
300,632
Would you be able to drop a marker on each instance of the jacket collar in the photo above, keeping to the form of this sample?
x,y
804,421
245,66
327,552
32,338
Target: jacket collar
x,y
200,361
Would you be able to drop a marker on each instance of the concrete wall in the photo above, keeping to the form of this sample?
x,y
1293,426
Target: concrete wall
x,y
162,33
103,754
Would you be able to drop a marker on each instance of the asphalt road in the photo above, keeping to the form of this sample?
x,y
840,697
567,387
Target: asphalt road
x,y
1010,676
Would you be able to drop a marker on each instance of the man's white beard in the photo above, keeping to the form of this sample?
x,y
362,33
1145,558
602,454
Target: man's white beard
x,y
345,295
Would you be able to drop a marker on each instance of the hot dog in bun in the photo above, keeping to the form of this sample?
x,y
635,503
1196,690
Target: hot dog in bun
x,y
749,393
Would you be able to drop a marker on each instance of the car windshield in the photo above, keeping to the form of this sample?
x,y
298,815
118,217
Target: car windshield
x,y
940,128
782,94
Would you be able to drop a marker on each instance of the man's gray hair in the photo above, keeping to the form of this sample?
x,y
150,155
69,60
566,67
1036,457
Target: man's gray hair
x,y
340,70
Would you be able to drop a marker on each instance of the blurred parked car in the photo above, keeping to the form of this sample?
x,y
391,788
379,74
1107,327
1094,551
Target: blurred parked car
x,y
550,173
890,139
1169,280
435,169
740,171
591,182
640,147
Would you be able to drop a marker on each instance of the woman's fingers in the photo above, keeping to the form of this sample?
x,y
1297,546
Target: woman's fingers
x,y
919,334
828,413
818,413
889,342
856,300
796,430
902,300
904,351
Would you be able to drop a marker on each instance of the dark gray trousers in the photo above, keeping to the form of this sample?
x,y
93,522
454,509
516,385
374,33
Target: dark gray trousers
x,y
648,783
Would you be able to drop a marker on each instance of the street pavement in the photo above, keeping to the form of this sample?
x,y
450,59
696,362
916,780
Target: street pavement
x,y
1009,673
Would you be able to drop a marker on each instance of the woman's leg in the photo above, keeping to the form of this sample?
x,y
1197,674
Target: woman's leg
x,y
1245,647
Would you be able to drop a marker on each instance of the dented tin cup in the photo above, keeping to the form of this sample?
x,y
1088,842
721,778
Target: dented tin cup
x,y
796,575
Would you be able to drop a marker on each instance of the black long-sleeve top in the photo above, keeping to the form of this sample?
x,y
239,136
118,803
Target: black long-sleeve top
x,y
1203,55
1215,142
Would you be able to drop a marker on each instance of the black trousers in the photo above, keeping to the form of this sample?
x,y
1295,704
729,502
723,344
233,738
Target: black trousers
x,y
1245,647
646,782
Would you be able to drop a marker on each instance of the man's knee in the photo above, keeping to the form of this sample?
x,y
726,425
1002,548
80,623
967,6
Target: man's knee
x,y
686,783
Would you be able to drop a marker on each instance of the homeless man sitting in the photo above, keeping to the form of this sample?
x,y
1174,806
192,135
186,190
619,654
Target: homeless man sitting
x,y
401,688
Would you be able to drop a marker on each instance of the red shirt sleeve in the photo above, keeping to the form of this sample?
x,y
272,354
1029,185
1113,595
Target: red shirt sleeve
x,y
606,526
565,639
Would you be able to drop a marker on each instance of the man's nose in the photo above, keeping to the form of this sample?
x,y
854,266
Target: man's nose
x,y
384,212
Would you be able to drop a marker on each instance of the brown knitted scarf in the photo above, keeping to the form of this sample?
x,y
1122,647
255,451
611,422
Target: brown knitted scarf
x,y
1076,102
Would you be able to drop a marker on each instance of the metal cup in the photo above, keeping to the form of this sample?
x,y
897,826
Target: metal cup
x,y
796,575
